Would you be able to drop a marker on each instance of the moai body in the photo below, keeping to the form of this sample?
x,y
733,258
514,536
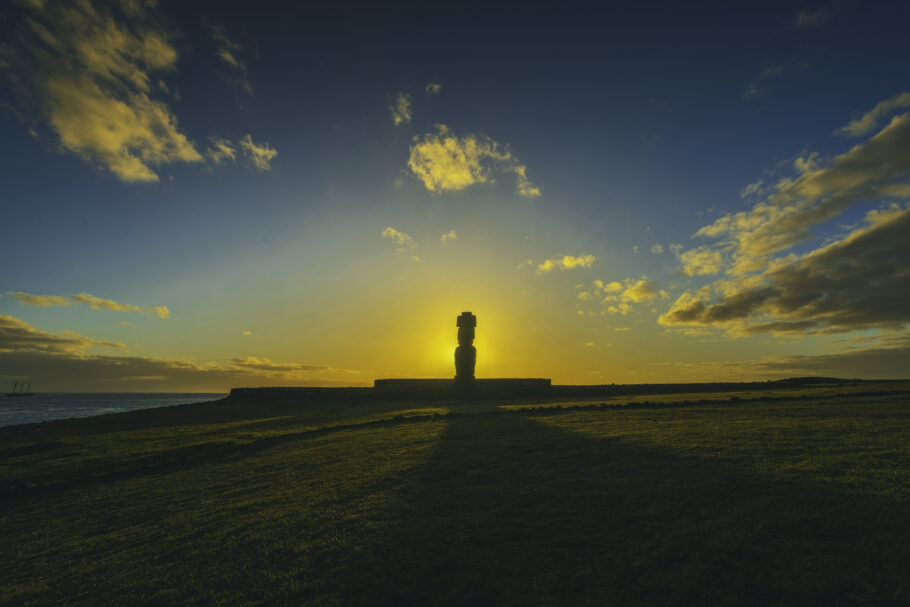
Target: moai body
x,y
465,353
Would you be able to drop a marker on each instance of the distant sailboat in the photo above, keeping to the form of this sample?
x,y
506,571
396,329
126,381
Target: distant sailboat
x,y
20,389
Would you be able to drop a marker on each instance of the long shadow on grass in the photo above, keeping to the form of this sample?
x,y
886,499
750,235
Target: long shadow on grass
x,y
512,511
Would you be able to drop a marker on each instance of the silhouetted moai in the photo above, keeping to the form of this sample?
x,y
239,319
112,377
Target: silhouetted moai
x,y
465,353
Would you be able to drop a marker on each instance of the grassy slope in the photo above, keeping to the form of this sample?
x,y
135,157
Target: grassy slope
x,y
804,499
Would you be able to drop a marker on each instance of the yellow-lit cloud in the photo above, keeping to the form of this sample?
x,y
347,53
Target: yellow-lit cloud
x,y
96,303
90,74
638,291
39,300
221,150
447,163
566,262
403,242
617,297
256,155
260,155
452,235
858,282
401,109
433,88
869,121
701,260
819,192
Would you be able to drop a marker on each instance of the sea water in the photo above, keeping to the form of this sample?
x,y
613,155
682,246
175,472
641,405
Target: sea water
x,y
46,407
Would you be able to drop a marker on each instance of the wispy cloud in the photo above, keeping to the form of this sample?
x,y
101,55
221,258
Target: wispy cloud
x,y
819,191
228,51
255,155
759,84
403,242
401,109
452,235
448,163
807,19
870,120
432,89
96,303
260,155
566,262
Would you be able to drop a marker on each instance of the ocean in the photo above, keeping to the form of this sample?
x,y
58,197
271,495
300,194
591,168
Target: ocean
x,y
47,407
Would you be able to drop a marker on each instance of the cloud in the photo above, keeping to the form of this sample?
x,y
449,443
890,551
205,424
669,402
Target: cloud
x,y
608,287
18,336
820,191
701,260
227,51
266,366
566,262
96,303
888,359
753,189
759,84
452,235
39,300
401,109
657,249
619,297
256,155
90,74
259,155
638,291
859,282
447,163
221,150
247,333
432,89
62,362
811,19
404,243
869,121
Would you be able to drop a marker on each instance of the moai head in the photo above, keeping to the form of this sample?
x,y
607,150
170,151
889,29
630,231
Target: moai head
x,y
465,353
466,323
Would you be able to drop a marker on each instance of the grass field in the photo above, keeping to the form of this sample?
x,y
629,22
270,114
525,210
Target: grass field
x,y
798,497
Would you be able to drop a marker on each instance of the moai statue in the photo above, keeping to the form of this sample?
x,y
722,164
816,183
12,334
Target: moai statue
x,y
465,353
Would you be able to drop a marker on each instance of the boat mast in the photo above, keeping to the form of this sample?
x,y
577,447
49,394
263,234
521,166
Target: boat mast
x,y
15,383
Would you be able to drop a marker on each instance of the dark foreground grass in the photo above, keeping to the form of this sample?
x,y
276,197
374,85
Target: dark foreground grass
x,y
797,502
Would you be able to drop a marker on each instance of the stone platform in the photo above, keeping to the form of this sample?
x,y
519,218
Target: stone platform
x,y
486,387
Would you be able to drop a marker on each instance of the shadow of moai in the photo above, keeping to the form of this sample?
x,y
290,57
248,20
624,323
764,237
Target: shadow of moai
x,y
465,353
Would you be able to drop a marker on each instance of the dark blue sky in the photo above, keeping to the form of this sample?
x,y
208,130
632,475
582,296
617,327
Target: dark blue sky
x,y
636,125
